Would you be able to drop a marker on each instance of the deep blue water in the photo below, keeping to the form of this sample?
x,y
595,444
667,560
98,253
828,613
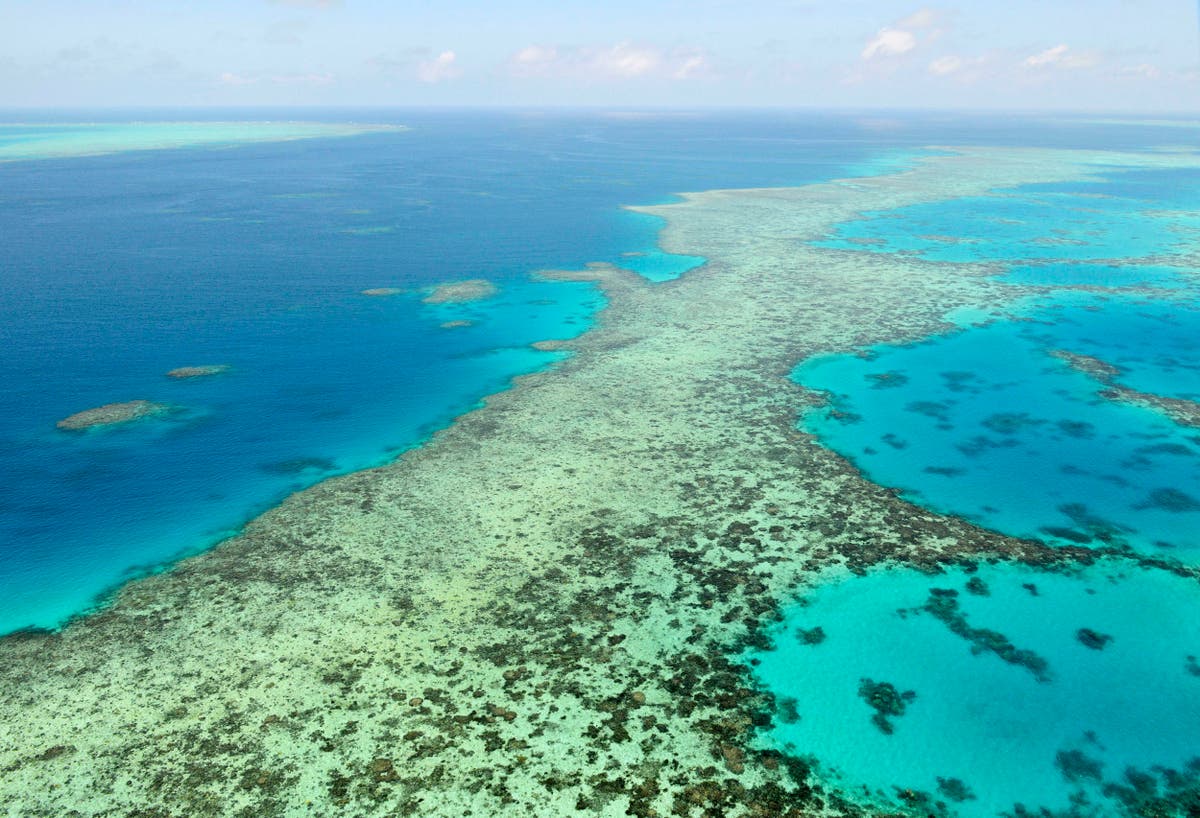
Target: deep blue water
x,y
118,268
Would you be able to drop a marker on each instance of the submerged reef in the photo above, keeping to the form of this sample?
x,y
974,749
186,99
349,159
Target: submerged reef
x,y
457,292
111,414
186,372
382,292
536,612
1182,411
887,702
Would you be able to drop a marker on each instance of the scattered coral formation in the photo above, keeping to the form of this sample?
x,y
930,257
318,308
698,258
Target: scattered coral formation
x,y
1182,411
111,414
186,372
887,702
457,292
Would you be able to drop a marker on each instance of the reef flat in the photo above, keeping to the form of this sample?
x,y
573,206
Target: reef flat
x,y
202,371
458,292
111,414
540,611
27,141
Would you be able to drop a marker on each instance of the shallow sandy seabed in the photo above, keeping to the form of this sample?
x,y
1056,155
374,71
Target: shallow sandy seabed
x,y
532,614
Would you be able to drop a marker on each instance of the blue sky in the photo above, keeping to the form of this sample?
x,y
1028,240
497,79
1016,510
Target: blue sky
x,y
1141,55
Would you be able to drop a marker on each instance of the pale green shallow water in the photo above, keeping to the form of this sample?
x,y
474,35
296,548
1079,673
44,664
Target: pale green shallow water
x,y
42,141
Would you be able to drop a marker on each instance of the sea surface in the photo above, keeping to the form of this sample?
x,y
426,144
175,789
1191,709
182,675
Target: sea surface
x,y
979,689
253,254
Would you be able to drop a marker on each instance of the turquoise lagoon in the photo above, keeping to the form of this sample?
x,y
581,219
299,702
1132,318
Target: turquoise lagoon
x,y
1065,693
987,421
1020,703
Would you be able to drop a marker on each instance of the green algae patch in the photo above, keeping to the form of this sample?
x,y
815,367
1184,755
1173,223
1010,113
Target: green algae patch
x,y
539,611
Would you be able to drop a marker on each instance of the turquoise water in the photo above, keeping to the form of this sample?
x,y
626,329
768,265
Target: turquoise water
x,y
979,702
36,141
1079,274
1083,222
986,422
1013,702
121,267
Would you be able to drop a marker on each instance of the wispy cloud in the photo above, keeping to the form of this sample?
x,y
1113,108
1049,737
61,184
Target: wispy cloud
x,y
961,69
1061,56
440,68
903,36
1145,70
889,42
622,61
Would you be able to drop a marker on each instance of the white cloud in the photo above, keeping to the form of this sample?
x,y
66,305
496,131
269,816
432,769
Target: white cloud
x,y
1061,56
890,42
696,64
903,36
944,66
534,59
442,67
622,61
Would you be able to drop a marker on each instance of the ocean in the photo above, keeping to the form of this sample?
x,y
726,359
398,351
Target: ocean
x,y
1063,418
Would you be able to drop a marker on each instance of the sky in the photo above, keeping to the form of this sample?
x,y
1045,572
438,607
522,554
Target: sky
x,y
1088,55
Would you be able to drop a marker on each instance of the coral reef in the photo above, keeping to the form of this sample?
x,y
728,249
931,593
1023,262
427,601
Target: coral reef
x,y
457,292
534,613
186,372
111,414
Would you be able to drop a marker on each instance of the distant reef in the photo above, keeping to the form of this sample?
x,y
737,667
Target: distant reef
x,y
111,414
474,289
456,324
382,292
185,372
